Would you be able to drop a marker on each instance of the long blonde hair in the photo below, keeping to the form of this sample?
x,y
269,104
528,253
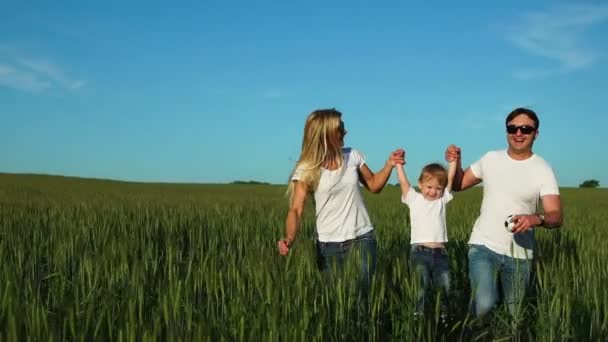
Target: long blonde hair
x,y
321,146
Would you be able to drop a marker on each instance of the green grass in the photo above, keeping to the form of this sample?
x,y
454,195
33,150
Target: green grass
x,y
100,260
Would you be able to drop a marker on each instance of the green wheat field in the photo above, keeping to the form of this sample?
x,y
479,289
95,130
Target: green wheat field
x,y
85,260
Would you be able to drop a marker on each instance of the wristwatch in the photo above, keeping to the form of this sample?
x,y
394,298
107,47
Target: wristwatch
x,y
542,219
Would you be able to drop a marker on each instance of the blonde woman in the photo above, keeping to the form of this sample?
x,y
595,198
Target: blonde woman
x,y
332,173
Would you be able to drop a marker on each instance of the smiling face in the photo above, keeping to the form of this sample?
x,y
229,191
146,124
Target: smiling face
x,y
431,188
521,133
432,181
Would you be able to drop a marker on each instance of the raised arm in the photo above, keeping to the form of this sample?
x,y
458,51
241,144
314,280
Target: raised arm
x,y
375,182
451,173
294,217
462,179
403,181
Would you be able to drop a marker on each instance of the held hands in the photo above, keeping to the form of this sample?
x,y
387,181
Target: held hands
x,y
452,154
397,157
524,223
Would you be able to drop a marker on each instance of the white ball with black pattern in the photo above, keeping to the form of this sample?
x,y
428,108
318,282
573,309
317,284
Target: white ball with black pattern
x,y
509,223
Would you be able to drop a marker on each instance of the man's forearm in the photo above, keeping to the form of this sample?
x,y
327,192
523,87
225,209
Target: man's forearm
x,y
552,220
458,176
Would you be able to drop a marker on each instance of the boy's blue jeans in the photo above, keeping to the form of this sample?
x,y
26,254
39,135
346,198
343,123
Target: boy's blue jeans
x,y
433,267
486,268
332,257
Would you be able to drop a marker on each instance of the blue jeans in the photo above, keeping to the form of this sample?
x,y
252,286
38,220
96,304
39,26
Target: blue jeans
x,y
332,257
433,268
486,268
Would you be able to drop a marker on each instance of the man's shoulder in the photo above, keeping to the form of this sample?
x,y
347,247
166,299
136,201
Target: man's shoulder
x,y
497,153
541,162
494,155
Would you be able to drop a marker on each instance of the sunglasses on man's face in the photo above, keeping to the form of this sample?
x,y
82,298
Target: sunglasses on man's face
x,y
341,127
525,129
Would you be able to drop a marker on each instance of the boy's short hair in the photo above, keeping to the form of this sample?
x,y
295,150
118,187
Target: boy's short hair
x,y
434,171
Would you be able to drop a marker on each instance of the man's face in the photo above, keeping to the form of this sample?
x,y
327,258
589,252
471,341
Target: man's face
x,y
521,133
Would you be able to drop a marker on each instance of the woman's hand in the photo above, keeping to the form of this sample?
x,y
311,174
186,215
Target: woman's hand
x,y
283,245
397,157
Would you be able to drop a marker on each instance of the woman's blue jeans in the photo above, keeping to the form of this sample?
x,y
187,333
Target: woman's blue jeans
x,y
486,268
333,256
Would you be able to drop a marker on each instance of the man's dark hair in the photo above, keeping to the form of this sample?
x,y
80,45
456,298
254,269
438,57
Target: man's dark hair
x,y
525,111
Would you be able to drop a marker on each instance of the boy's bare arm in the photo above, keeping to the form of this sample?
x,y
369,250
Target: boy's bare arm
x,y
452,167
405,184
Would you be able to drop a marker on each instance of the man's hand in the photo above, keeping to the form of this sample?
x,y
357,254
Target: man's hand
x,y
524,222
452,153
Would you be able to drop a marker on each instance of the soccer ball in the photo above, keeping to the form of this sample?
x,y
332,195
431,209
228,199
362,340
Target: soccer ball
x,y
509,223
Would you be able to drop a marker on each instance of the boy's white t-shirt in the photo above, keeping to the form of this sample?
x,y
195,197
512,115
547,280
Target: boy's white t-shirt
x,y
510,187
427,217
340,210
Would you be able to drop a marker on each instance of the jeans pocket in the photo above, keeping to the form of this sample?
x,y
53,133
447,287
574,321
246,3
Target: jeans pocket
x,y
475,249
416,249
418,257
320,247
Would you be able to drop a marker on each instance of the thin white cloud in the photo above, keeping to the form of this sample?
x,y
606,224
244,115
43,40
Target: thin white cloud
x,y
31,75
20,79
557,35
52,72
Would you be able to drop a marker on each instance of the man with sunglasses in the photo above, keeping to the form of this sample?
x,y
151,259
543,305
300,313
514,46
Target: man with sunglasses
x,y
513,182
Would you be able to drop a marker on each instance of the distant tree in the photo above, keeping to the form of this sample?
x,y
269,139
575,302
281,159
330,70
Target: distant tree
x,y
590,183
250,182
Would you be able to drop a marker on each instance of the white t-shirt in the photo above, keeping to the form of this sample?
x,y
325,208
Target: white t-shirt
x,y
340,210
427,217
510,187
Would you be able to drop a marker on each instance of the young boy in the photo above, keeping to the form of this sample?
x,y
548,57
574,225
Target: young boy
x,y
428,254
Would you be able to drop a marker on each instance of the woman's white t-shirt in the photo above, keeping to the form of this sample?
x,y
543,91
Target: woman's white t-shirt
x,y
340,210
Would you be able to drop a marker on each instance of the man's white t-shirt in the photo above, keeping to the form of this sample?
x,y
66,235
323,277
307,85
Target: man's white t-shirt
x,y
427,217
340,210
510,187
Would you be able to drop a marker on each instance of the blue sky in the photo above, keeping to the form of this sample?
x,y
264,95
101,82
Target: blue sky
x,y
216,91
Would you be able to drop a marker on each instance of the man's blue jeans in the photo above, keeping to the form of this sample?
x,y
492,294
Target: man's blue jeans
x,y
486,268
433,268
332,257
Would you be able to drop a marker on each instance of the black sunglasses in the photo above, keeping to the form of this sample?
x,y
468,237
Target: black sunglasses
x,y
525,129
341,127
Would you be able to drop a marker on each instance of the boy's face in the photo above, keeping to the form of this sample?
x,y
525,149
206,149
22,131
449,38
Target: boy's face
x,y
431,189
